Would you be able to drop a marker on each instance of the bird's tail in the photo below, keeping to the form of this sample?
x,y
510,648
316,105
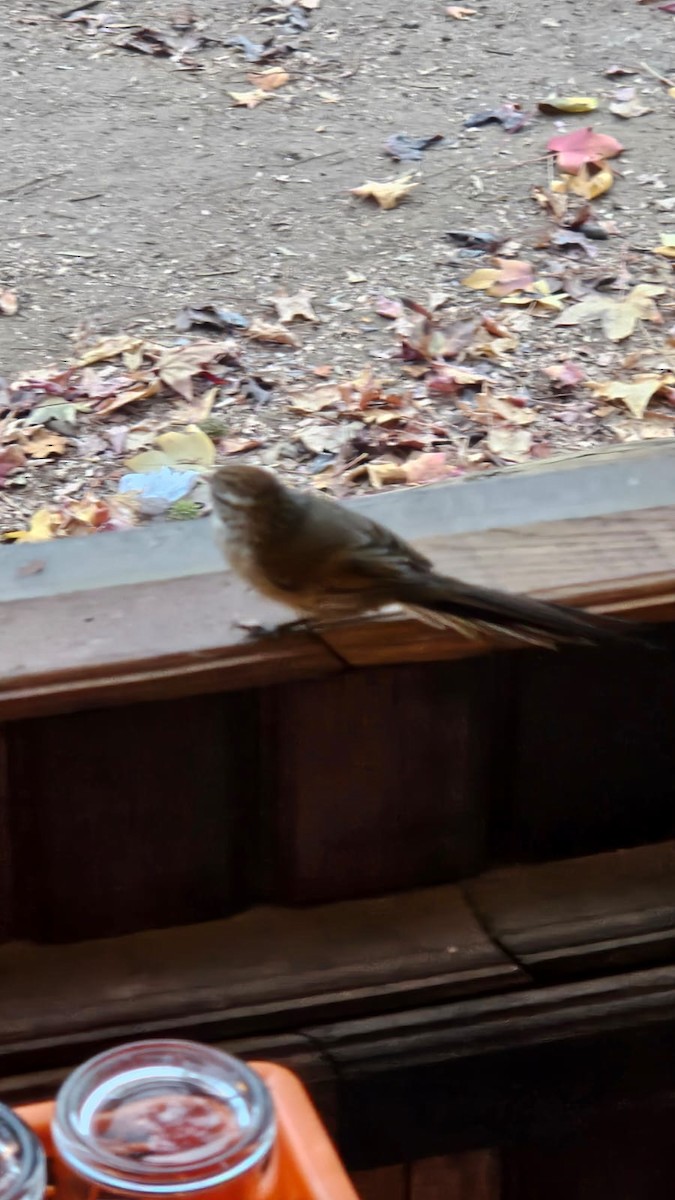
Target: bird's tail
x,y
465,606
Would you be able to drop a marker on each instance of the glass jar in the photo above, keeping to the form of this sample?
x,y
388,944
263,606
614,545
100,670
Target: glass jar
x,y
22,1161
164,1118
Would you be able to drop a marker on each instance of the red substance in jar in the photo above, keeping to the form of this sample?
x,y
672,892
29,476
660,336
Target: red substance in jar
x,y
168,1129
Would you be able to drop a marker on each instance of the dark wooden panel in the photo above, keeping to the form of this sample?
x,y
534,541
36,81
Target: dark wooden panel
x,y
6,902
493,1071
381,778
266,969
583,916
595,753
132,820
625,1156
383,1183
474,1175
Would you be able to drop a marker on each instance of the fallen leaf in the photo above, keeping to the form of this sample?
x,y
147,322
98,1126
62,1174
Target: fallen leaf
x,y
43,526
425,468
628,107
392,309
250,99
509,275
449,380
177,450
110,348
60,415
238,445
405,148
513,445
318,398
507,410
459,13
582,146
327,439
553,203
132,395
667,247
566,374
385,474
510,116
210,315
264,331
177,366
591,180
42,444
635,393
567,104
387,195
11,457
647,429
294,308
269,80
9,303
476,239
618,317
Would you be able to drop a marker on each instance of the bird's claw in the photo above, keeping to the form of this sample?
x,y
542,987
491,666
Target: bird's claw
x,y
257,630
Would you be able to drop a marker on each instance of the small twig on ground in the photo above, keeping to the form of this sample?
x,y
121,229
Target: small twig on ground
x,y
661,78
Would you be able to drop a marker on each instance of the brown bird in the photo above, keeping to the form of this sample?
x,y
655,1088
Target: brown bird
x,y
328,562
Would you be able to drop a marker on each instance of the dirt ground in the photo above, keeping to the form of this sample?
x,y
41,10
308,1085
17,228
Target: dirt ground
x,y
131,187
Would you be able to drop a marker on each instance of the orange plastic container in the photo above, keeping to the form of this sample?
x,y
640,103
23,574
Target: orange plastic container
x,y
309,1167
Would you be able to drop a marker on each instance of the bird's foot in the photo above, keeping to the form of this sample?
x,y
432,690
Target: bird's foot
x,y
257,630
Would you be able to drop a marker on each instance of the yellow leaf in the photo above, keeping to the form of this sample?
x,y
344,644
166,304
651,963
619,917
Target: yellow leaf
x,y
266,331
268,81
110,348
591,182
671,93
619,317
250,99
635,393
389,194
511,275
567,104
192,448
667,247
43,526
43,443
513,445
148,460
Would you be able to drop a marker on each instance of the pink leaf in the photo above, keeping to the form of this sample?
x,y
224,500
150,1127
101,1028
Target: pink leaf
x,y
583,146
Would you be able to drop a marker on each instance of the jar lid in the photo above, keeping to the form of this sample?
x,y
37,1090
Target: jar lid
x,y
22,1163
163,1116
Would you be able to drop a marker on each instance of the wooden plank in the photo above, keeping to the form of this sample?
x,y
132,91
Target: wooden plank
x,y
381,779
585,915
116,645
269,968
474,1175
132,823
497,1070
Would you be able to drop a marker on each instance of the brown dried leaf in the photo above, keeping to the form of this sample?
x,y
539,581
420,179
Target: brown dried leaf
x,y
635,393
110,348
250,99
177,366
269,80
318,398
141,391
264,331
566,374
42,444
507,276
618,317
294,308
513,445
389,194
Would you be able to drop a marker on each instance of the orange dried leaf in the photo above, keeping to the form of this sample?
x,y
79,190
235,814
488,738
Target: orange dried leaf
x,y
389,194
